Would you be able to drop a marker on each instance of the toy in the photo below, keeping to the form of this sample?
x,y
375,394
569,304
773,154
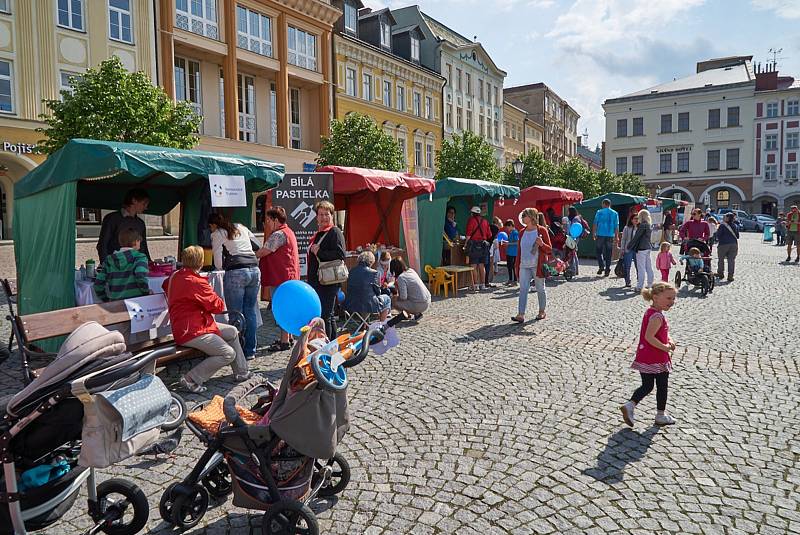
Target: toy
x,y
294,304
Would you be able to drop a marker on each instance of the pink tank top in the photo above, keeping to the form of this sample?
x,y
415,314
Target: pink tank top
x,y
650,359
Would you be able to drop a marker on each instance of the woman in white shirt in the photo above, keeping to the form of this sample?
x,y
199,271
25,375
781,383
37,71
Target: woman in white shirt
x,y
233,252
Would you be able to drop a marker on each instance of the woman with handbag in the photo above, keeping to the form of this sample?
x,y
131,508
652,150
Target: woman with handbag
x,y
326,269
534,250
232,245
640,245
477,246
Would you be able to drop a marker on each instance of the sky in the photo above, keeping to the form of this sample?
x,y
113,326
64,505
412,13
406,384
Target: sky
x,y
588,51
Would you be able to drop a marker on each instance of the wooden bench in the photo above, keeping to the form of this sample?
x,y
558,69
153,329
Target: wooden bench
x,y
33,328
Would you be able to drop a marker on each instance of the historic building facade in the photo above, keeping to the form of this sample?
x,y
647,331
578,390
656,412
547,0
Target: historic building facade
x,y
380,73
513,132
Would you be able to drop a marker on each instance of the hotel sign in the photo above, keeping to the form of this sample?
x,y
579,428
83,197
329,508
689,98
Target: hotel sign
x,y
19,148
676,148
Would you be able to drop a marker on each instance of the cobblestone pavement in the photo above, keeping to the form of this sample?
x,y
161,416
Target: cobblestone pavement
x,y
474,425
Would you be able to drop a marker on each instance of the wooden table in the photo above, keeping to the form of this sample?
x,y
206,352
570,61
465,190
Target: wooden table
x,y
455,271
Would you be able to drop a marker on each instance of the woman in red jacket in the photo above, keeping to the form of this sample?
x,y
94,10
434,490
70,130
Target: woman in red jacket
x,y
192,305
534,250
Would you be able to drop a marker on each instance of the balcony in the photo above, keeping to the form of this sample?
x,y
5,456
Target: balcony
x,y
200,18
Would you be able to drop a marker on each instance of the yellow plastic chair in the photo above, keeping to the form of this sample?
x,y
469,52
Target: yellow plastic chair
x,y
445,280
431,279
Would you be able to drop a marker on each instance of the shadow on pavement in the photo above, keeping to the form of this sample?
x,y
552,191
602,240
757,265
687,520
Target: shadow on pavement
x,y
496,331
618,293
624,447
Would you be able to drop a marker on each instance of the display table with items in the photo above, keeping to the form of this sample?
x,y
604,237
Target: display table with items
x,y
465,276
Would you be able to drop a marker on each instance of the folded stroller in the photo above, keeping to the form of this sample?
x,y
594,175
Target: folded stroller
x,y
279,454
94,405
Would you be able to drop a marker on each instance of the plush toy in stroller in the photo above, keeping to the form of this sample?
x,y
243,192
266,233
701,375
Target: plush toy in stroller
x,y
279,454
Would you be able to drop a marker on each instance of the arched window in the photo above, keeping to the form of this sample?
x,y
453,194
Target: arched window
x,y
723,198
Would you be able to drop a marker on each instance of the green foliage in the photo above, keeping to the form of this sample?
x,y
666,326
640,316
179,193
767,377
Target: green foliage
x,y
358,142
112,104
467,156
537,172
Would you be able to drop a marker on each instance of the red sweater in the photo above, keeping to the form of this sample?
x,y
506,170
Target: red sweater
x,y
192,305
544,251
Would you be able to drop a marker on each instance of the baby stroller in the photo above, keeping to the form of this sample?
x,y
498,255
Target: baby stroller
x,y
702,278
93,406
280,454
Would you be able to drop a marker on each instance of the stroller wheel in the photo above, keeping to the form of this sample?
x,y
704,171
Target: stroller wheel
x,y
122,507
218,481
188,509
165,504
678,279
326,377
288,517
177,413
704,287
340,475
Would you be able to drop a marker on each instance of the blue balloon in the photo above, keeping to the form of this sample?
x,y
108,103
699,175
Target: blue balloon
x,y
340,296
502,236
294,304
576,230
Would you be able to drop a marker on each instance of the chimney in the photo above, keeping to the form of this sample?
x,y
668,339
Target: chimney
x,y
767,79
364,11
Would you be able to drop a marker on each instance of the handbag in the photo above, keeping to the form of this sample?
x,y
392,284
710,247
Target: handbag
x,y
333,271
475,247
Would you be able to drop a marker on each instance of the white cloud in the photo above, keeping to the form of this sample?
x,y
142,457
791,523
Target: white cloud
x,y
788,9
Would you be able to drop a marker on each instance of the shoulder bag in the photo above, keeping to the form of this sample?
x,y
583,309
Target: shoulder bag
x,y
333,271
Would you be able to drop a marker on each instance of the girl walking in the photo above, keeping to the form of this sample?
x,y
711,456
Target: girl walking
x,y
653,361
665,261
534,248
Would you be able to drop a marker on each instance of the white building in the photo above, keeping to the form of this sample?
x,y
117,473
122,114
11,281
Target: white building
x,y
692,136
473,94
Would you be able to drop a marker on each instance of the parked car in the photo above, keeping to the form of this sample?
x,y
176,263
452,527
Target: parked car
x,y
741,217
757,222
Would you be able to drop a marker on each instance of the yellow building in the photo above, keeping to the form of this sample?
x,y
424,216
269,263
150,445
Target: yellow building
x,y
378,73
513,132
534,136
42,44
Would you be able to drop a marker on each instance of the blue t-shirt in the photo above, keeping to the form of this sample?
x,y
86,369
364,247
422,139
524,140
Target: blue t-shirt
x,y
607,221
513,241
450,229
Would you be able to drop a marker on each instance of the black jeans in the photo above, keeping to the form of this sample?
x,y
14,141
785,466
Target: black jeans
x,y
661,381
511,262
604,247
327,298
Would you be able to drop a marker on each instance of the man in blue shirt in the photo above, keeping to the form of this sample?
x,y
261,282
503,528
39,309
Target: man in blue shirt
x,y
605,231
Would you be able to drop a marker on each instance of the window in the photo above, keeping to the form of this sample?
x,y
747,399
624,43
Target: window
x,y
402,142
222,103
772,109
387,93
713,118
480,88
771,141
637,165
666,123
351,82
70,14
273,113
791,171
622,165
366,86
401,98
429,156
683,121
429,108
665,163
197,16
732,159
622,128
449,116
683,162
6,87
496,130
294,115
417,104
386,34
459,120
469,120
638,126
793,107
488,93
302,49
67,79
723,198
469,84
417,154
350,17
713,160
254,31
119,20
792,141
414,47
496,97
187,83
449,74
458,79
246,95
771,172
733,116
4,7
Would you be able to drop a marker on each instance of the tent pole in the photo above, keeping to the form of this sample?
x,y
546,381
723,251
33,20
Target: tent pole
x,y
180,232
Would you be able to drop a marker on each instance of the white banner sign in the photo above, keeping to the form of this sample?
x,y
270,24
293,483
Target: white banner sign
x,y
147,313
227,191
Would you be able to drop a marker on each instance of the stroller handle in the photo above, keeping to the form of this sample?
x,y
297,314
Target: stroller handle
x,y
373,336
140,362
230,412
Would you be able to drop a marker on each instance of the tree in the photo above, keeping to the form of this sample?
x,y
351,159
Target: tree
x,y
113,104
537,172
630,183
358,142
467,156
577,176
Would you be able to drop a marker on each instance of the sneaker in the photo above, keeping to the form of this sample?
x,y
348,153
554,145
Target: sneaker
x,y
730,279
627,285
796,260
627,412
249,357
242,377
190,386
418,317
607,273
600,271
664,419
789,258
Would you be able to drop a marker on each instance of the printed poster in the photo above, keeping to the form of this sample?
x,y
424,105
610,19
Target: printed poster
x,y
227,191
297,194
148,313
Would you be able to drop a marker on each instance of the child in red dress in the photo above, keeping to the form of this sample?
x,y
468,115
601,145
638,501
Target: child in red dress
x,y
653,360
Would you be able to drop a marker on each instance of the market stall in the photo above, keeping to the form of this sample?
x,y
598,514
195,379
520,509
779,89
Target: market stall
x,y
623,203
462,194
97,174
543,198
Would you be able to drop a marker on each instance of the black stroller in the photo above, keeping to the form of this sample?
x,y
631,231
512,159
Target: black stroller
x,y
702,278
280,454
44,428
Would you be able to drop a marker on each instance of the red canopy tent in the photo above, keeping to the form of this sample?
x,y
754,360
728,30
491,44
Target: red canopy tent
x,y
540,197
373,200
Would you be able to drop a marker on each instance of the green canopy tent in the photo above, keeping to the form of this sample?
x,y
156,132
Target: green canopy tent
x,y
462,194
97,174
621,202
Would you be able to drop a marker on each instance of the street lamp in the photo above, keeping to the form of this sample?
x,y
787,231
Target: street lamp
x,y
658,190
518,166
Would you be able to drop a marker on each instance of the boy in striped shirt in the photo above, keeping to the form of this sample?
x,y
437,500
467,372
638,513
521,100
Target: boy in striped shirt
x,y
124,272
